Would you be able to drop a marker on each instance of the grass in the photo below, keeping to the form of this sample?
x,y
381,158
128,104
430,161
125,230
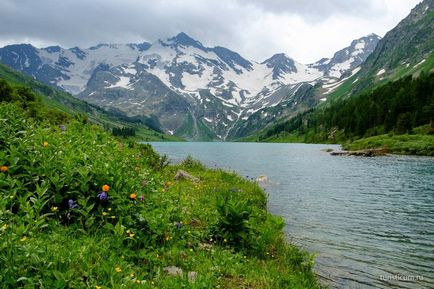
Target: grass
x,y
409,144
58,231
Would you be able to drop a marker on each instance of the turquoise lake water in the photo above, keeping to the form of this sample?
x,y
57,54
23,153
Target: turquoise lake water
x,y
369,221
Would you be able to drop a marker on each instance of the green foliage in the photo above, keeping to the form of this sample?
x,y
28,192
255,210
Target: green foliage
x,y
123,131
191,163
397,107
233,224
57,105
58,231
418,144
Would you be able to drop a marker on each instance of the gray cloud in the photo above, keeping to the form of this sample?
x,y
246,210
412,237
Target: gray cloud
x,y
306,30
317,10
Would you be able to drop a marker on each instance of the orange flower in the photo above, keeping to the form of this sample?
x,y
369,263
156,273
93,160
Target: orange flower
x,y
133,196
105,188
4,169
45,144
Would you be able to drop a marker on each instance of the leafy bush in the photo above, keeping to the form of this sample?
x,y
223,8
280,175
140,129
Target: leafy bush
x,y
233,225
80,209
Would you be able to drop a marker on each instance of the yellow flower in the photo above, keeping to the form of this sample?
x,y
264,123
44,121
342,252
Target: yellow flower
x,y
113,217
54,209
104,213
132,275
225,240
5,226
131,235
23,239
118,269
109,209
45,144
98,287
128,231
138,281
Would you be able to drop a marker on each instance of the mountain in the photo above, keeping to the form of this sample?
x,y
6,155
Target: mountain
x,y
59,100
390,92
348,58
191,90
405,50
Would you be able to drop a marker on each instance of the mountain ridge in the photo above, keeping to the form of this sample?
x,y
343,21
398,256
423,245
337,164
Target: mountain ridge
x,y
215,87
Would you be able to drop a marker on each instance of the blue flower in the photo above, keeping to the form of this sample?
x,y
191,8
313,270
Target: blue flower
x,y
178,225
72,204
102,196
62,127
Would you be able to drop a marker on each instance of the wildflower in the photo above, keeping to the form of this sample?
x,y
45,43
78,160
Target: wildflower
x,y
54,209
142,198
23,239
132,275
4,169
105,188
118,269
113,217
131,235
5,226
178,225
45,144
104,213
72,204
109,209
62,127
103,196
225,240
133,196
98,287
167,238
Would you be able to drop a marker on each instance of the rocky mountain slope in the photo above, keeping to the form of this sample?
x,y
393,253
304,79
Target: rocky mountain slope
x,y
406,49
405,54
188,89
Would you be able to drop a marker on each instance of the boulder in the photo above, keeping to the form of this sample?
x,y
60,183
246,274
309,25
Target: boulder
x,y
192,276
183,175
262,180
173,271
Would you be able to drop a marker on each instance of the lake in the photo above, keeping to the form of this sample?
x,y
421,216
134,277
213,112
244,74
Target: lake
x,y
369,221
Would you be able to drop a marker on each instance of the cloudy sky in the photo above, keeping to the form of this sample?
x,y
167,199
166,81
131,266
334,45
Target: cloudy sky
x,y
306,30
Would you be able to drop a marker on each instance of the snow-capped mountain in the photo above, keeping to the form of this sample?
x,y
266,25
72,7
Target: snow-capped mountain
x,y
348,58
192,90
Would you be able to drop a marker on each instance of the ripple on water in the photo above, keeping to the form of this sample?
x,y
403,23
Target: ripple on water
x,y
362,217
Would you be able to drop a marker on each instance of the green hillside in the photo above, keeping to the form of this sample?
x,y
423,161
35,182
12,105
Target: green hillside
x,y
396,108
405,50
58,100
82,209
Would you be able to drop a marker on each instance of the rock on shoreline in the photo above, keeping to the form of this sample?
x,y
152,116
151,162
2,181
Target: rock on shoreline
x,y
362,153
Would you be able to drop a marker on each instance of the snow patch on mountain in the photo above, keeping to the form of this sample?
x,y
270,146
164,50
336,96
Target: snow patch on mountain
x,y
215,82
